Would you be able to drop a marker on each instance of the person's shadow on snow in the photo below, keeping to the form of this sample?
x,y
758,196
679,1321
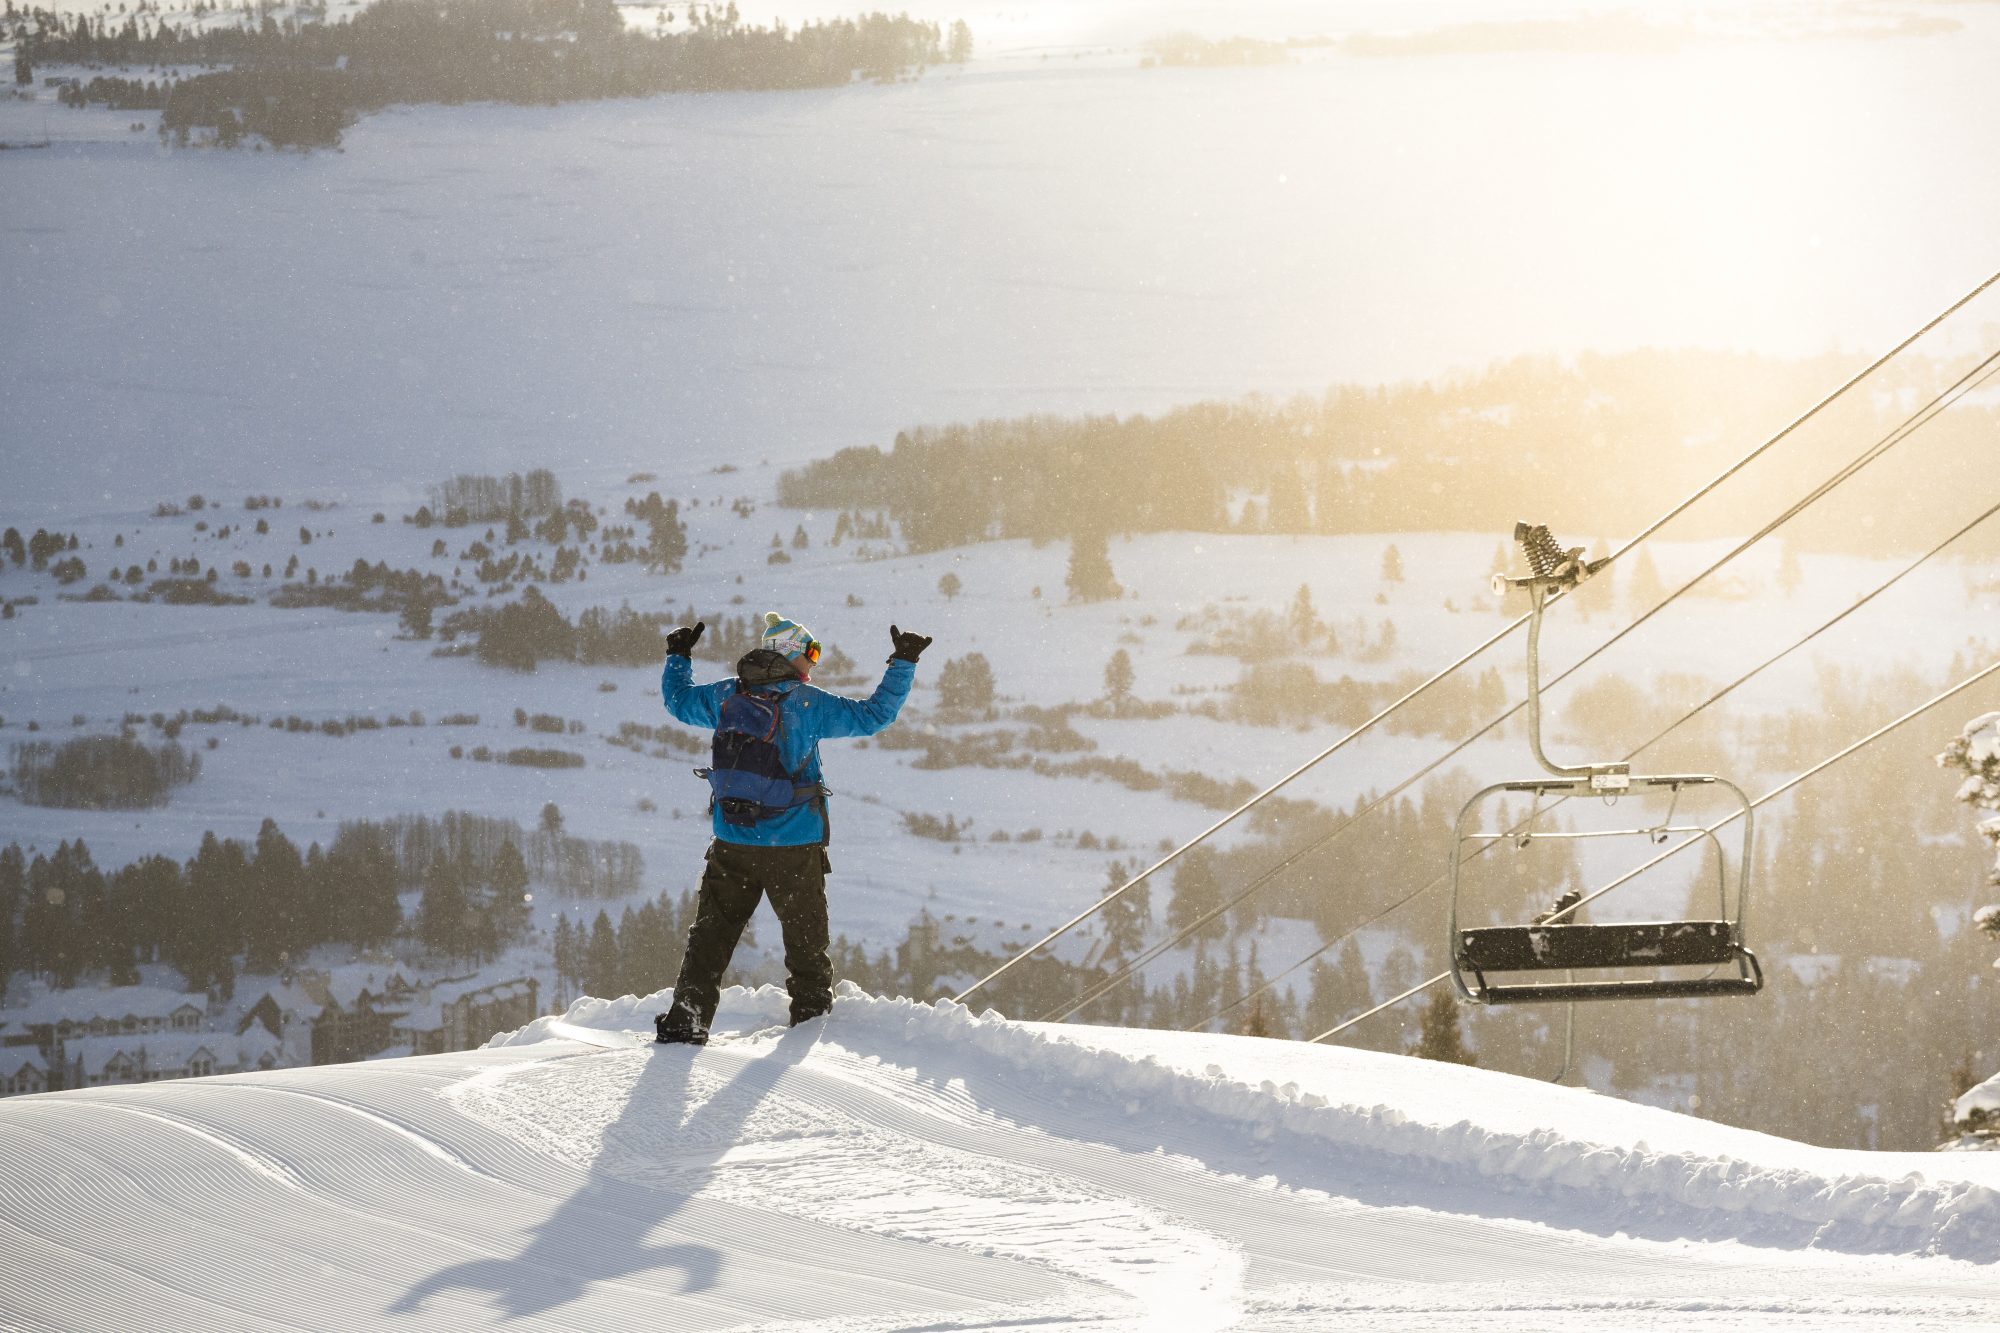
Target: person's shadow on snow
x,y
599,1233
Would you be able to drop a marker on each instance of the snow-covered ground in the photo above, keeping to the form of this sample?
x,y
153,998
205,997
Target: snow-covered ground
x,y
899,1166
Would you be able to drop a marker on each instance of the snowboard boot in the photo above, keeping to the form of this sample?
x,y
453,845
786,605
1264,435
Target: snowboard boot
x,y
679,1026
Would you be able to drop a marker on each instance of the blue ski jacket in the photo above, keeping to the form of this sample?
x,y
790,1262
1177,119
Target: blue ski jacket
x,y
811,715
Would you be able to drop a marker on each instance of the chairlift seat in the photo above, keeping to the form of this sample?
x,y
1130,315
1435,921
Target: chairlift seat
x,y
1565,947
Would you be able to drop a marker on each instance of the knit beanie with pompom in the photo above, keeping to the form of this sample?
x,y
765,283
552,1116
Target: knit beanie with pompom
x,y
794,640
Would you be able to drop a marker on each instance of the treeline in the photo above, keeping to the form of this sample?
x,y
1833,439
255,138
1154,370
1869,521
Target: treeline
x,y
523,634
938,953
930,960
239,907
101,773
367,587
304,82
1591,447
117,94
576,867
232,903
468,498
1292,694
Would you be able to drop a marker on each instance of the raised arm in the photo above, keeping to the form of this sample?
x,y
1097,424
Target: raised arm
x,y
695,705
835,717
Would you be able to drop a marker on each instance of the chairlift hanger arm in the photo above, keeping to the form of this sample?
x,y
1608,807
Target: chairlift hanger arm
x,y
1555,570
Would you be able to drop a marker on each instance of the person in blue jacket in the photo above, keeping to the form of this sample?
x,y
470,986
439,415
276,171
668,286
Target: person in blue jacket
x,y
775,848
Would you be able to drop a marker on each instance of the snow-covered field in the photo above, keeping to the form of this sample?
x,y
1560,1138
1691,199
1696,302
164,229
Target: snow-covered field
x,y
100,662
899,1166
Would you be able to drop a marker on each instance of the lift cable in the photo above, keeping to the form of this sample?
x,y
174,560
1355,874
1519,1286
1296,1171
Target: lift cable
x,y
1695,496
1768,796
1634,753
1971,380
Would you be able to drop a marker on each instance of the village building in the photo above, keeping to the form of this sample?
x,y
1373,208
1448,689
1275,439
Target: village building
x,y
22,1070
95,1036
460,1015
100,1061
53,1022
285,1011
369,1011
57,1016
356,1006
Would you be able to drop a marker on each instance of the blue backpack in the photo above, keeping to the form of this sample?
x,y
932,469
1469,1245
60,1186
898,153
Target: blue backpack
x,y
748,776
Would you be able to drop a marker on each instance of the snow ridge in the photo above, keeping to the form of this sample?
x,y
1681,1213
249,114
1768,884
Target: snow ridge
x,y
1694,1194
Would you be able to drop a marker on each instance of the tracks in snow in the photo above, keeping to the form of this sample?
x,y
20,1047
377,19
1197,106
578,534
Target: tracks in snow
x,y
834,1177
351,1198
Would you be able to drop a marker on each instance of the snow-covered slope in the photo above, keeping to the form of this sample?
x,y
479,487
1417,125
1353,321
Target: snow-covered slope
x,y
902,1165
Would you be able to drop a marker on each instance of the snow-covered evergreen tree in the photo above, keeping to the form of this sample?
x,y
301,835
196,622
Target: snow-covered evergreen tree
x,y
1975,752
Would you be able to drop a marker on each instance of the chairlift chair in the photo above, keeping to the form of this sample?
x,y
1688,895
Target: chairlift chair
x,y
1630,960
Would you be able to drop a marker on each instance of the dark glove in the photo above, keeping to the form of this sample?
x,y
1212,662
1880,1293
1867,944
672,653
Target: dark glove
x,y
909,647
682,641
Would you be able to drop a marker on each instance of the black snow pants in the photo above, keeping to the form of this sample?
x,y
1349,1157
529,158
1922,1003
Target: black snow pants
x,y
737,876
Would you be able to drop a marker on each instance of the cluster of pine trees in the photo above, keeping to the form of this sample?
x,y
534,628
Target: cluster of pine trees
x,y
101,773
36,550
470,910
533,630
367,587
303,83
667,540
232,905
469,498
965,688
1593,446
118,94
636,956
574,867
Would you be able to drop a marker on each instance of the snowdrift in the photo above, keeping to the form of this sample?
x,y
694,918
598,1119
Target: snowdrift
x,y
1638,1169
